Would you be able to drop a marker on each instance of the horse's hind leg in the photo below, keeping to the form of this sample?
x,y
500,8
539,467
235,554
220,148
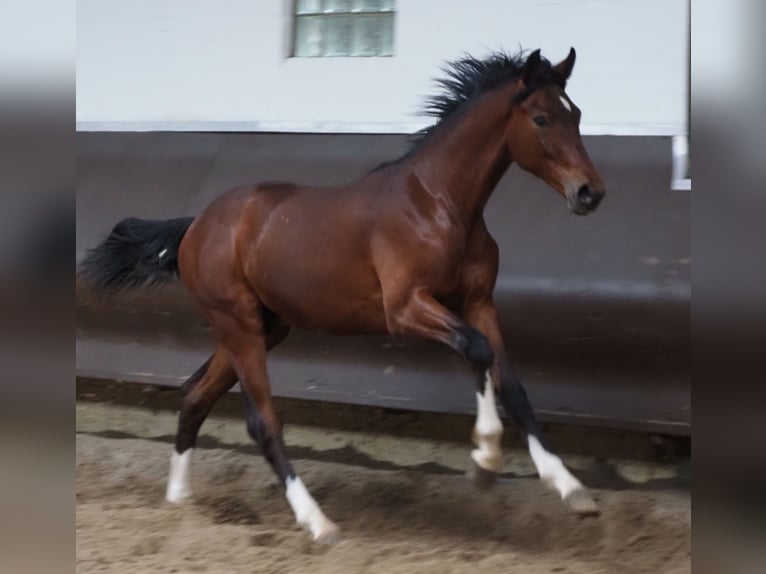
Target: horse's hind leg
x,y
241,331
201,391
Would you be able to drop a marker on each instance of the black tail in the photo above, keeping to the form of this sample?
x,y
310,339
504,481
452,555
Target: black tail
x,y
136,252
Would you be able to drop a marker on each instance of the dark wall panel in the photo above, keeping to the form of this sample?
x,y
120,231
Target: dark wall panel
x,y
595,310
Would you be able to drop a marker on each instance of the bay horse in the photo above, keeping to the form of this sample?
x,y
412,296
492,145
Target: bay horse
x,y
403,250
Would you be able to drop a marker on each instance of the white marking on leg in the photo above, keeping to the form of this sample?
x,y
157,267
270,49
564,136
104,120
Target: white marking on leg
x,y
488,430
307,511
566,103
179,485
551,470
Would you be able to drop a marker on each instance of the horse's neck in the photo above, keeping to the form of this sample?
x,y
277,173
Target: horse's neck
x,y
463,163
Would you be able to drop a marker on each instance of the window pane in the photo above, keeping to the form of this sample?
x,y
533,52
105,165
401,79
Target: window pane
x,y
337,40
308,36
386,31
337,5
308,6
366,5
366,35
372,5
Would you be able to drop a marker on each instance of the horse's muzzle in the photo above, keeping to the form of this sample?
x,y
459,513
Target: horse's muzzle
x,y
584,200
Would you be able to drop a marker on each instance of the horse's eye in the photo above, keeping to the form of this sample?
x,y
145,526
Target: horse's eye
x,y
541,121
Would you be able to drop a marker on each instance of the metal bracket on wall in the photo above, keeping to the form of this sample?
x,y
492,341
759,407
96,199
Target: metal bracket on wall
x,y
681,167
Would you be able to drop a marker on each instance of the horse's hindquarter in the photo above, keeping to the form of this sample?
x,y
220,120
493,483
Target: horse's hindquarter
x,y
311,265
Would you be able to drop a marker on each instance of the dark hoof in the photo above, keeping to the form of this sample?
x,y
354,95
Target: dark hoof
x,y
482,479
581,502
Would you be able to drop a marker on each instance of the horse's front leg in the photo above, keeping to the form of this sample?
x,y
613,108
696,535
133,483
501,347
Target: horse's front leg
x,y
421,315
483,316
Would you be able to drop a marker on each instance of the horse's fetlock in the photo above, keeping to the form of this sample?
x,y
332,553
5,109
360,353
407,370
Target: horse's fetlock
x,y
479,351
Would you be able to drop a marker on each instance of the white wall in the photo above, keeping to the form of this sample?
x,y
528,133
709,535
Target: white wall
x,y
221,64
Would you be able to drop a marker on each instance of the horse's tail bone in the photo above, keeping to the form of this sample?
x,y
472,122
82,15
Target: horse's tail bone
x,y
136,252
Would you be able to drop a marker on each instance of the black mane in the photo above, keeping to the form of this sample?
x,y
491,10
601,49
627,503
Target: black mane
x,y
468,78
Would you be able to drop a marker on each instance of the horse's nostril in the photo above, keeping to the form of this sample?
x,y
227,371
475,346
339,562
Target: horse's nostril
x,y
584,195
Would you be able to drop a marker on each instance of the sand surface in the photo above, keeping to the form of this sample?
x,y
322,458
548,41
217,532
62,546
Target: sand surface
x,y
393,520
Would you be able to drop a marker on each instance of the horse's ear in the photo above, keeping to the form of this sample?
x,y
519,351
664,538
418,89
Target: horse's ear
x,y
530,67
564,67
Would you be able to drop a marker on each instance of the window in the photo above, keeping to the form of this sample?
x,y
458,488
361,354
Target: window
x,y
326,28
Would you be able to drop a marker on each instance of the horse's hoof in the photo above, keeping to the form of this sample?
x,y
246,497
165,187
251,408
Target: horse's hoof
x,y
582,503
328,534
178,495
482,479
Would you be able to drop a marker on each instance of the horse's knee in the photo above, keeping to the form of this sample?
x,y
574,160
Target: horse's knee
x,y
475,346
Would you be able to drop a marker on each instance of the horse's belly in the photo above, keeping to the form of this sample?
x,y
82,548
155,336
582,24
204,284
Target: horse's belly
x,y
321,299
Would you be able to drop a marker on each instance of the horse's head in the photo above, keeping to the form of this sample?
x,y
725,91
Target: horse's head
x,y
543,134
